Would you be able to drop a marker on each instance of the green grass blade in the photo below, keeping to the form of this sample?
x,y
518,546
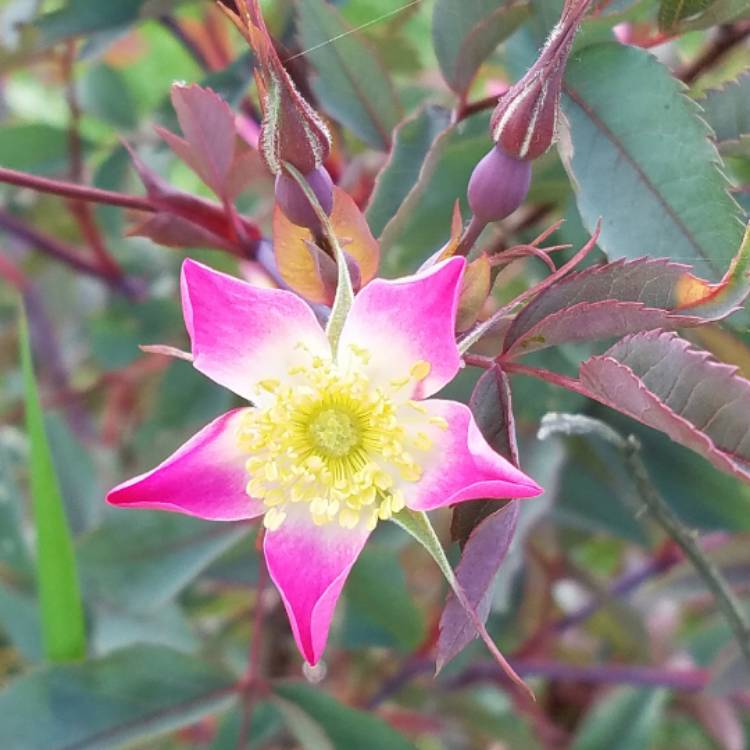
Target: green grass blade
x,y
60,605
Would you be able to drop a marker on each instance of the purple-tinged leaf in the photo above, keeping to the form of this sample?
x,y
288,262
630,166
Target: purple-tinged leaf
x,y
207,123
661,380
491,406
484,528
185,220
626,297
482,557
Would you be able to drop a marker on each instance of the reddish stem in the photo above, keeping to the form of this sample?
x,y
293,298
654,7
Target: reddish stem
x,y
555,378
72,190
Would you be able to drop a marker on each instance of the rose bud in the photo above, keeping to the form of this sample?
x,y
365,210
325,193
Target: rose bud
x,y
498,185
291,131
295,204
524,122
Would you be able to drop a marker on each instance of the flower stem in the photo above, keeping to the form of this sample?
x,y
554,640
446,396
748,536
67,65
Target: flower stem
x,y
685,539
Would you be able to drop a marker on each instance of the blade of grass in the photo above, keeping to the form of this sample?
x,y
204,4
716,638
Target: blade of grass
x,y
60,607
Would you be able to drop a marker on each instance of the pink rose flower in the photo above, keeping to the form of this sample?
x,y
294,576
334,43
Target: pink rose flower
x,y
334,441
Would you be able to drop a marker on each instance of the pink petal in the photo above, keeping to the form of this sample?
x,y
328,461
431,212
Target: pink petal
x,y
206,477
309,565
462,466
242,334
404,321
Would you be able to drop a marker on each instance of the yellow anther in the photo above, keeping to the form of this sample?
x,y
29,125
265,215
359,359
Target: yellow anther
x,y
421,369
439,422
399,382
348,518
274,518
422,441
329,440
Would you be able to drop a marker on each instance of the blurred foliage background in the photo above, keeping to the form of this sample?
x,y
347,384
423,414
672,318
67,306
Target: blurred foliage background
x,y
594,605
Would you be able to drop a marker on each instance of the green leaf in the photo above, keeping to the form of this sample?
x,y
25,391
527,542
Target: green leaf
x,y
671,12
61,611
390,607
727,109
718,12
142,560
105,94
42,149
78,17
422,223
627,719
341,727
641,160
138,692
352,85
412,140
466,32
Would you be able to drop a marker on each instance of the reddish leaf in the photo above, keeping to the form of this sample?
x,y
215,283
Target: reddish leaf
x,y
208,146
611,300
184,220
306,268
484,528
482,557
662,381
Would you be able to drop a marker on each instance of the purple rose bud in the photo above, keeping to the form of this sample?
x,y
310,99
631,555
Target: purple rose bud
x,y
294,203
498,185
524,122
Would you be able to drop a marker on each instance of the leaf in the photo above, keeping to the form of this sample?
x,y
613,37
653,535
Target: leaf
x,y
423,220
671,12
727,109
105,94
412,140
626,719
302,268
642,160
352,84
660,380
483,554
135,693
492,408
208,147
718,12
626,297
475,285
142,561
185,220
79,17
466,32
61,611
390,607
343,727
38,148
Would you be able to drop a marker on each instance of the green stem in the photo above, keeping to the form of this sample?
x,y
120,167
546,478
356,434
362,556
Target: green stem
x,y
685,539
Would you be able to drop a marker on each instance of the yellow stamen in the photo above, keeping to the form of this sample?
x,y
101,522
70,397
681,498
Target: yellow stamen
x,y
329,440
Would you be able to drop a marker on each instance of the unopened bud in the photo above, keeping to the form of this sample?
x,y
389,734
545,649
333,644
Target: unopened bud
x,y
291,131
296,205
499,184
524,122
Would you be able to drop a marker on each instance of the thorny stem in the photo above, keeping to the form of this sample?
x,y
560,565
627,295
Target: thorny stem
x,y
704,566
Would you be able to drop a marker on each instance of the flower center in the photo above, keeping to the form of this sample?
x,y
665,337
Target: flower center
x,y
334,432
328,438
